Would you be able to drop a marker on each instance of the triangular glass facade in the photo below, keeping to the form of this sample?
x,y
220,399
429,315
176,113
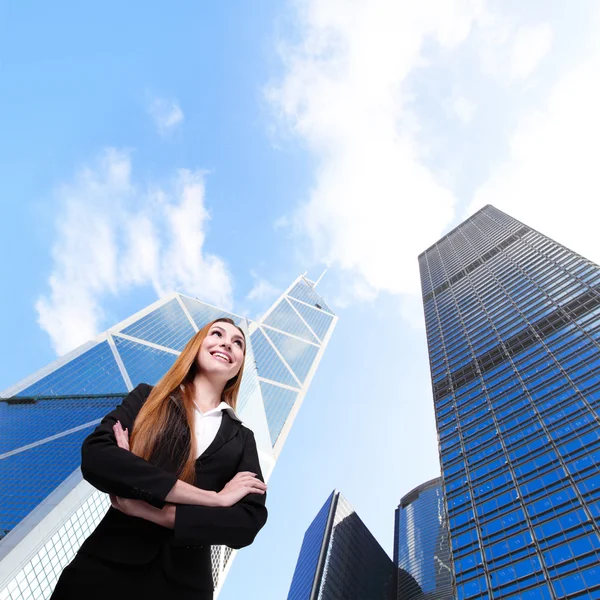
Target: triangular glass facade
x,y
299,355
318,320
304,292
279,402
166,326
204,313
95,371
308,561
44,419
284,317
269,364
144,364
340,558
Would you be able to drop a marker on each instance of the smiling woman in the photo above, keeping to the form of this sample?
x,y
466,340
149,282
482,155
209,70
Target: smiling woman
x,y
188,478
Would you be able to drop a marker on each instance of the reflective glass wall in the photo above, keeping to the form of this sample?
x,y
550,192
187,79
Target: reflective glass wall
x,y
513,328
46,510
422,545
340,559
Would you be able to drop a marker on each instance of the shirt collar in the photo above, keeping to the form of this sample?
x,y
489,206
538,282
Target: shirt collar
x,y
222,407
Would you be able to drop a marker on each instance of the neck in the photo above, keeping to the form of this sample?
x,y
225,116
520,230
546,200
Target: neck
x,y
207,394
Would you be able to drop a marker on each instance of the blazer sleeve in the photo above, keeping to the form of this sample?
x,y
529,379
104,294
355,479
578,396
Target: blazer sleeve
x,y
234,526
114,470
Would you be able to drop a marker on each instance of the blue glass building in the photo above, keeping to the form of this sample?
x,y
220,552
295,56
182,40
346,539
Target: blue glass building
x,y
513,328
340,558
421,545
46,509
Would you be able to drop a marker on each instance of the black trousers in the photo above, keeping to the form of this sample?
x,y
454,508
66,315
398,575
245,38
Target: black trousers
x,y
94,579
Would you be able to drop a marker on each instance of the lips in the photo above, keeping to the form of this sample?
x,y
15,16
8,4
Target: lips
x,y
221,356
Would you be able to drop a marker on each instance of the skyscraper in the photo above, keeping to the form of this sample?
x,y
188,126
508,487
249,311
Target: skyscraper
x,y
46,509
340,558
513,327
421,545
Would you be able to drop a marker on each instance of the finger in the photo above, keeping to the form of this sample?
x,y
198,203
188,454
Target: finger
x,y
255,484
243,481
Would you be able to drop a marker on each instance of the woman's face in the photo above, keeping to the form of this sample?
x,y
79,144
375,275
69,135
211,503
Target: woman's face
x,y
222,351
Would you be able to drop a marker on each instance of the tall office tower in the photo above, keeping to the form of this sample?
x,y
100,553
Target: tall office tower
x,y
513,327
340,558
421,545
46,509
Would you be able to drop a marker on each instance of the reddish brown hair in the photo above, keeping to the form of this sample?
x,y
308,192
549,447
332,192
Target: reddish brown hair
x,y
167,416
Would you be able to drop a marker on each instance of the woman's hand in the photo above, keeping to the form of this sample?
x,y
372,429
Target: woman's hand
x,y
239,487
128,506
138,508
121,435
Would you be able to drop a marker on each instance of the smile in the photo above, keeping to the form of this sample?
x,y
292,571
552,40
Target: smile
x,y
221,356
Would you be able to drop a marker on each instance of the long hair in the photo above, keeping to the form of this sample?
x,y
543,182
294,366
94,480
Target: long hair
x,y
167,416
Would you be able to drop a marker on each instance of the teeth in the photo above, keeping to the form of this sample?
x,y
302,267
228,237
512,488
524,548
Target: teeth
x,y
221,356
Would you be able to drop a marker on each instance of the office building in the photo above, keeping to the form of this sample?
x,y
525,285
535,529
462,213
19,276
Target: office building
x,y
513,328
421,545
340,558
46,509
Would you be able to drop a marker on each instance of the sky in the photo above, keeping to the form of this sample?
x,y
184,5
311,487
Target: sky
x,y
222,149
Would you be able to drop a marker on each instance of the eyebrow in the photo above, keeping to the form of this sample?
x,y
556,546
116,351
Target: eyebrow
x,y
235,336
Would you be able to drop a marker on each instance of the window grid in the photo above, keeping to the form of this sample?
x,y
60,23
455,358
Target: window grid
x,y
541,416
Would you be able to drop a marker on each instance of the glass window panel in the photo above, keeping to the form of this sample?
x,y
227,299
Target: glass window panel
x,y
278,403
306,566
299,355
204,313
304,292
28,477
318,320
166,326
285,318
93,372
144,364
268,364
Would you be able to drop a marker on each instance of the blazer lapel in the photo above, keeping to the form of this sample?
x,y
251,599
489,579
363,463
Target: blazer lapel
x,y
229,427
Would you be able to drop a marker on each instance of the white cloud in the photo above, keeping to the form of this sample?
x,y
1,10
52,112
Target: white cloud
x,y
374,205
509,52
262,289
462,107
550,180
167,114
113,234
531,44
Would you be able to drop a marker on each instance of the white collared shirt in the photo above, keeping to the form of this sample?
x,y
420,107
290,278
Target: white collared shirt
x,y
207,425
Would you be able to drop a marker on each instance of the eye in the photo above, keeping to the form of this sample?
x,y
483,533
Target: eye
x,y
217,332
239,343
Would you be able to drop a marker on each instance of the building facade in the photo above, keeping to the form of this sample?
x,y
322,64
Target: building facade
x,y
513,328
340,558
421,545
46,508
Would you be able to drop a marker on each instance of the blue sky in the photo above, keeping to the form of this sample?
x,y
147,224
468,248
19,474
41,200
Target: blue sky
x,y
222,149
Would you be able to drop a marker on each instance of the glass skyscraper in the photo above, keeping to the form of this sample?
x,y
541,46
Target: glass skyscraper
x,y
46,508
421,545
340,558
513,328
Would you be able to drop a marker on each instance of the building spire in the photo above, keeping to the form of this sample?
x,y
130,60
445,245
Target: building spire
x,y
321,277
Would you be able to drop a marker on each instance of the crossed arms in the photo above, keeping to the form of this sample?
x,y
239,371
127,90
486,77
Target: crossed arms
x,y
230,517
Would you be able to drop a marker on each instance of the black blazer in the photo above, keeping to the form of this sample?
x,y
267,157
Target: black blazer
x,y
185,550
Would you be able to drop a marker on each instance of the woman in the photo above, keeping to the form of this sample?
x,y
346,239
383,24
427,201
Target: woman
x,y
188,478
